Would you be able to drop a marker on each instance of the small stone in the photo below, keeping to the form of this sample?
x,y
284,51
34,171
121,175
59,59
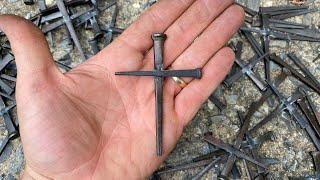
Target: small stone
x,y
299,155
280,44
28,16
285,116
66,46
293,166
258,114
50,2
307,19
219,92
286,143
136,5
217,119
210,105
268,4
232,99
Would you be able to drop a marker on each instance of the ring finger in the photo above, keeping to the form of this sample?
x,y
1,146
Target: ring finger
x,y
209,42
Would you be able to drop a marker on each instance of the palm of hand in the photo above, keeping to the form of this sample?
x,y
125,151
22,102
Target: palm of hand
x,y
88,123
90,118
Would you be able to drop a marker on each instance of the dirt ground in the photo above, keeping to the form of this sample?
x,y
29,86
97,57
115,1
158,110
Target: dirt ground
x,y
290,145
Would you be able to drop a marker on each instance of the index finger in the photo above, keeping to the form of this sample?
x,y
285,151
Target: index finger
x,y
156,19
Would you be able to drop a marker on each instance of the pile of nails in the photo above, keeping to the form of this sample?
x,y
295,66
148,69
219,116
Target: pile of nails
x,y
269,23
261,27
64,14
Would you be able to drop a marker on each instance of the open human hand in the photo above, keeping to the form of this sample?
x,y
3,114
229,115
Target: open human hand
x,y
89,123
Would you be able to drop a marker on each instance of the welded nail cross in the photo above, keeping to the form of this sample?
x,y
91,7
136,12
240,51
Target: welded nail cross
x,y
159,74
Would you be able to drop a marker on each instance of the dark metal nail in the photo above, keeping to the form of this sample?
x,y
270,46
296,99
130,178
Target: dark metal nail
x,y
232,150
5,87
63,66
7,96
309,113
200,161
216,101
248,170
9,78
94,46
95,27
83,14
286,24
67,20
116,30
265,24
317,58
182,167
6,60
158,48
259,51
309,33
206,169
294,72
260,140
193,73
304,69
4,144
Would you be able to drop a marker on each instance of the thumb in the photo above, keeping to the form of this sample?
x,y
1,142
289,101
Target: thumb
x,y
30,48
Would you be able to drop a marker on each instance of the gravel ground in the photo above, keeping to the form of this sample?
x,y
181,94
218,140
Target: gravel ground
x,y
290,145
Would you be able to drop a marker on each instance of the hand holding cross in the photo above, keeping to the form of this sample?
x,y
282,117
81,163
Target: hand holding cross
x,y
158,73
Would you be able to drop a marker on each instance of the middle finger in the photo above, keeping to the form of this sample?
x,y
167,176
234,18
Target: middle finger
x,y
210,41
186,28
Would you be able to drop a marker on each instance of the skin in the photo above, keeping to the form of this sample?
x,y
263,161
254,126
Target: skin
x,y
89,123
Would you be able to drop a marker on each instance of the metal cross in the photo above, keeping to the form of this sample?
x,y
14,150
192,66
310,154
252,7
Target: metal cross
x,y
266,41
294,112
238,142
232,150
252,146
265,95
159,74
247,69
246,122
259,51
